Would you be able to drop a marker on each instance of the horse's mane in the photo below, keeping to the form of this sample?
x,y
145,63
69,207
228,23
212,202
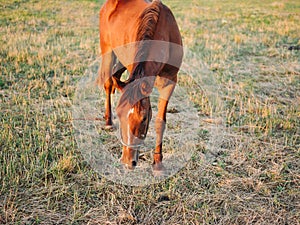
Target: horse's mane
x,y
148,21
145,32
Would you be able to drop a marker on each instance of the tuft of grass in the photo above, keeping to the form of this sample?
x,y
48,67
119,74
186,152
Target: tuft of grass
x,y
246,167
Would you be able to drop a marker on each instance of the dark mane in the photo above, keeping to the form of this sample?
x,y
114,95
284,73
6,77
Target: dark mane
x,y
146,31
148,21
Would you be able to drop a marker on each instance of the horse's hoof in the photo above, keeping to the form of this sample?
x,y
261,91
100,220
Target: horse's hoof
x,y
158,170
109,127
128,166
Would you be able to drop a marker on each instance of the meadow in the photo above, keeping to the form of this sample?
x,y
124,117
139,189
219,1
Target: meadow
x,y
249,174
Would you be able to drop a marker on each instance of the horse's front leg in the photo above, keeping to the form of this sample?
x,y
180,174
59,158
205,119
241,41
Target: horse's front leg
x,y
160,125
165,85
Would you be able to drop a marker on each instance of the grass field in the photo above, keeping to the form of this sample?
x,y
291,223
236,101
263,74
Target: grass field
x,y
252,177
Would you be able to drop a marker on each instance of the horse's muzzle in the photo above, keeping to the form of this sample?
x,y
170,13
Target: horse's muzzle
x,y
130,157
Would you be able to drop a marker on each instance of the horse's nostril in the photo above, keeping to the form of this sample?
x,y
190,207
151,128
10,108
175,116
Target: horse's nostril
x,y
134,163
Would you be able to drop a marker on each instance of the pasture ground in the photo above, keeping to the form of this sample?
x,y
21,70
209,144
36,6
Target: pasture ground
x,y
249,47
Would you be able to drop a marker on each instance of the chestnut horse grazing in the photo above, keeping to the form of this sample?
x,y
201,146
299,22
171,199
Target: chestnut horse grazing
x,y
143,38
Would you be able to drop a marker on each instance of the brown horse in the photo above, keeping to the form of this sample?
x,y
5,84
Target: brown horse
x,y
143,38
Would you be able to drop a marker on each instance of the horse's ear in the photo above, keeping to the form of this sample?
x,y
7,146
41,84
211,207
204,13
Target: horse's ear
x,y
118,83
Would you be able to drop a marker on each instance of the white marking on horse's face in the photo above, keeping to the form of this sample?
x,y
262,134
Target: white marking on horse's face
x,y
130,112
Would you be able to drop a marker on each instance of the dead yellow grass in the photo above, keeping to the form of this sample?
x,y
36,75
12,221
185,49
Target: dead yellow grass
x,y
246,166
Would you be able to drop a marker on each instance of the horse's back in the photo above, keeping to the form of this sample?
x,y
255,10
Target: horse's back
x,y
119,21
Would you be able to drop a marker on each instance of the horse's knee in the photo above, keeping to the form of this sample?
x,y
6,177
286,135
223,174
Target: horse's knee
x,y
108,85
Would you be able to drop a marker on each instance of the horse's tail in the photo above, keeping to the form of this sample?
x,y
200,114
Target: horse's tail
x,y
146,31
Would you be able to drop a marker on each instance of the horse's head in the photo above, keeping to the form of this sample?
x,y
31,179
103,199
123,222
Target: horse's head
x,y
134,113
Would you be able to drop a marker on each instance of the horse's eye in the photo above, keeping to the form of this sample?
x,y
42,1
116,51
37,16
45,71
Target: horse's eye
x,y
144,119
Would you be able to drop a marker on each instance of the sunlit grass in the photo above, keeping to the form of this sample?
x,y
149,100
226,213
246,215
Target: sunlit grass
x,y
251,177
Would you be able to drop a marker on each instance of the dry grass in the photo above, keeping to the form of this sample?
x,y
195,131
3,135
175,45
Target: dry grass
x,y
246,167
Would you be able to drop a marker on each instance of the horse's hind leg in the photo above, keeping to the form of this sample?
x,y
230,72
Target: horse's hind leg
x,y
105,74
115,69
108,86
